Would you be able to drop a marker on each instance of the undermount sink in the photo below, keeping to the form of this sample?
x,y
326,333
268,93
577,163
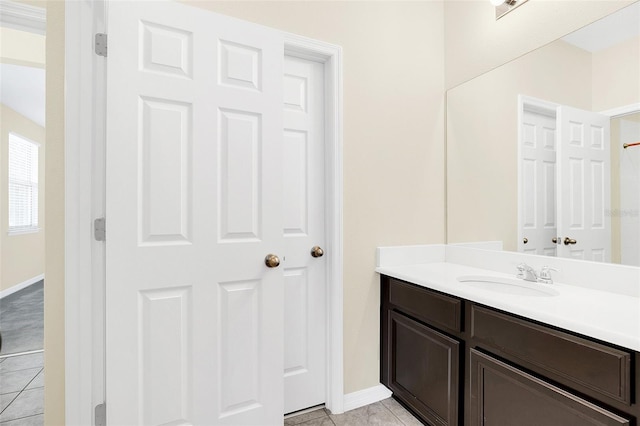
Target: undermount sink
x,y
505,285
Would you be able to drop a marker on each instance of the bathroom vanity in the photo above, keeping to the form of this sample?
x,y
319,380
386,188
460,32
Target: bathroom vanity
x,y
456,354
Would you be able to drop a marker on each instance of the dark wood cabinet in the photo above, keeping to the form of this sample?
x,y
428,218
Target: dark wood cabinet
x,y
455,362
423,369
504,395
582,364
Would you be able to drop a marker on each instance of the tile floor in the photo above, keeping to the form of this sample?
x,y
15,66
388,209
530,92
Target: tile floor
x,y
386,412
22,386
22,320
22,390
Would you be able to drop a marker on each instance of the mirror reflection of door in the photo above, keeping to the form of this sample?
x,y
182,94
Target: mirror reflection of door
x,y
537,165
579,189
22,227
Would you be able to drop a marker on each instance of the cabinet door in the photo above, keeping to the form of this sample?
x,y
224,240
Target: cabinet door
x,y
503,395
424,369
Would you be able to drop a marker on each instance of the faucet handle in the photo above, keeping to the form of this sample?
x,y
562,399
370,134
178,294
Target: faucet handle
x,y
521,268
545,275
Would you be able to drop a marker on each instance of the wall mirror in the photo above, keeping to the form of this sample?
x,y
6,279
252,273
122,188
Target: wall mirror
x,y
535,155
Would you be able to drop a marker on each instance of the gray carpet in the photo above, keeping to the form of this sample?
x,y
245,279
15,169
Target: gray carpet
x,y
22,320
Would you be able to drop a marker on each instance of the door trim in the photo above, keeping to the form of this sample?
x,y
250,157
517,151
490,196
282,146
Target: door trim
x,y
621,111
85,117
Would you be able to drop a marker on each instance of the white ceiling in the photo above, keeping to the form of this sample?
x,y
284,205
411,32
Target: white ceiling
x,y
608,31
23,90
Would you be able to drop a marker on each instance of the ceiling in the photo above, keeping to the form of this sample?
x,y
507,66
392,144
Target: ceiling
x,y
23,90
608,31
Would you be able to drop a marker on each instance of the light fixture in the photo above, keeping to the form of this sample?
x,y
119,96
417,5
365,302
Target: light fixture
x,y
505,6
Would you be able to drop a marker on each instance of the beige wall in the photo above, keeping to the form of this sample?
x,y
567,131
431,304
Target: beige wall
x,y
22,48
482,136
616,75
475,42
54,198
22,255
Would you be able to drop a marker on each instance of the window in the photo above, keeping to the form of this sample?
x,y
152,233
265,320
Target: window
x,y
23,185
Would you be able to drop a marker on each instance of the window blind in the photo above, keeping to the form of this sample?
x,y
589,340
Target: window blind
x,y
23,184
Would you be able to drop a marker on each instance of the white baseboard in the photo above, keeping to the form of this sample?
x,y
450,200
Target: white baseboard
x,y
18,287
365,397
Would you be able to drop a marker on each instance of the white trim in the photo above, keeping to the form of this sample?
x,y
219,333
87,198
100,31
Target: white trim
x,y
623,110
85,84
37,351
365,397
20,286
23,17
24,230
331,56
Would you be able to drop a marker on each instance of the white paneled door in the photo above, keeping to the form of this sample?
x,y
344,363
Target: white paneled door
x,y
304,229
538,182
194,326
584,176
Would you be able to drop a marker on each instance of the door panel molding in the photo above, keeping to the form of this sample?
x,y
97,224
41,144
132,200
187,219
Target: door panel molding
x,y
85,117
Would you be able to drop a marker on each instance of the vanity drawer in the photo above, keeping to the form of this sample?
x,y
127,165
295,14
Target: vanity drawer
x,y
587,366
431,307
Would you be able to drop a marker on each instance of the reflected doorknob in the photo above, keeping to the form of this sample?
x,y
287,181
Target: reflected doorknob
x,y
316,251
568,241
272,261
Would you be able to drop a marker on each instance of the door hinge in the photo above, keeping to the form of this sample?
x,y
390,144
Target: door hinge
x,y
101,414
100,229
101,44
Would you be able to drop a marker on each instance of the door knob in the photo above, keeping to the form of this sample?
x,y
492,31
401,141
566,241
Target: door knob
x,y
272,261
316,251
554,240
525,240
568,241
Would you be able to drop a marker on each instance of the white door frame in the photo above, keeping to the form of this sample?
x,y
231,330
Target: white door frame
x,y
85,116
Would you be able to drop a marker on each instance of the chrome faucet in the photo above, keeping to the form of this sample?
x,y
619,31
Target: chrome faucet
x,y
526,272
545,275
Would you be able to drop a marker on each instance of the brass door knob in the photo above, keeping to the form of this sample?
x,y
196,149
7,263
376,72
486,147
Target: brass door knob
x,y
525,240
316,251
568,241
554,240
272,261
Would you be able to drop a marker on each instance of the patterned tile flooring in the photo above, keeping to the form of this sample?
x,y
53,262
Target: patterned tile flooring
x,y
386,412
22,390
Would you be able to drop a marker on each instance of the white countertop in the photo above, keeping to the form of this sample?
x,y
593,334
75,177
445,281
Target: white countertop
x,y
608,316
